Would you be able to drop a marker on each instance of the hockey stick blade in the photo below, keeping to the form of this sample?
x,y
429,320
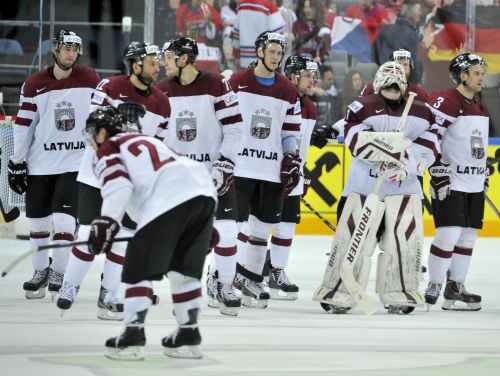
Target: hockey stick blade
x,y
32,251
9,216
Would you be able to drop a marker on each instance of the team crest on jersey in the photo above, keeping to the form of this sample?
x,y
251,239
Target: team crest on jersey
x,y
476,145
65,116
261,124
185,126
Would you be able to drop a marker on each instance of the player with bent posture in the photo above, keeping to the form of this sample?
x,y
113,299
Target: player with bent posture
x,y
172,199
268,163
397,223
135,96
208,128
48,147
458,182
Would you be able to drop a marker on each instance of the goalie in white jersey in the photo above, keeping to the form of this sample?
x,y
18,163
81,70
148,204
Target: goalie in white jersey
x,y
458,182
172,199
48,147
146,110
207,127
268,163
397,223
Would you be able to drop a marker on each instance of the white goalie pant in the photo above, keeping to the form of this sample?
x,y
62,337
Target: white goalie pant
x,y
399,264
332,291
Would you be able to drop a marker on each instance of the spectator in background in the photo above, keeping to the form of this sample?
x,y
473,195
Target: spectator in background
x,y
289,16
402,34
325,97
312,34
393,8
373,16
198,20
351,89
228,15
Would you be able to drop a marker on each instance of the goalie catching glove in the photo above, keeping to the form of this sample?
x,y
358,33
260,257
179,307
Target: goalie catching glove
x,y
382,147
102,234
223,174
290,172
321,135
440,180
18,177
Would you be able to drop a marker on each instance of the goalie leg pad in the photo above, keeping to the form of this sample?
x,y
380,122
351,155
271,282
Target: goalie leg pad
x,y
331,290
399,266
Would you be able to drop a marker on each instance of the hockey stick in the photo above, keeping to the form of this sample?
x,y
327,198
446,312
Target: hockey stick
x,y
318,214
492,205
9,216
32,251
361,229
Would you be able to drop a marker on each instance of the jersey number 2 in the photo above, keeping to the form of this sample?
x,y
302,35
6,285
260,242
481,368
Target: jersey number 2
x,y
155,159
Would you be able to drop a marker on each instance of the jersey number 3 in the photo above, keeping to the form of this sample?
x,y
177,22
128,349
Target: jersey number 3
x,y
153,153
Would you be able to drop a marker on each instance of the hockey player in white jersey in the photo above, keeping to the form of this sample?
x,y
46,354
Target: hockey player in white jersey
x,y
397,222
172,199
458,182
303,73
48,147
268,164
207,127
147,110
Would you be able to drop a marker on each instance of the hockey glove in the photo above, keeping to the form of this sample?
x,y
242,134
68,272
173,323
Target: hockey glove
x,y
393,172
102,233
290,172
321,135
307,184
18,177
223,174
132,112
440,180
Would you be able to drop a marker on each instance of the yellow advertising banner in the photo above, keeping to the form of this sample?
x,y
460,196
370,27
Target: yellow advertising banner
x,y
329,168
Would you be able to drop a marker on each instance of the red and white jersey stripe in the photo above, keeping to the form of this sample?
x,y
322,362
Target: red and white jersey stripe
x,y
205,119
144,177
48,131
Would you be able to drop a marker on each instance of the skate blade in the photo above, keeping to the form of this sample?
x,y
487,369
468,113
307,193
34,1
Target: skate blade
x,y
212,302
456,305
428,306
105,314
184,352
133,353
53,295
250,302
282,295
229,311
39,294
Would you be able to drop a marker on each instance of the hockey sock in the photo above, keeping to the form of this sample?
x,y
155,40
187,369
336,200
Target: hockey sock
x,y
186,295
225,252
113,265
80,259
462,254
257,244
241,242
441,252
281,243
40,235
64,229
138,298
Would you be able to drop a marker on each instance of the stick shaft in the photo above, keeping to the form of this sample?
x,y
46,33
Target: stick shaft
x,y
318,214
492,205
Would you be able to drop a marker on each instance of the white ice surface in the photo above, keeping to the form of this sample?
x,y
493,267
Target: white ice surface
x,y
287,338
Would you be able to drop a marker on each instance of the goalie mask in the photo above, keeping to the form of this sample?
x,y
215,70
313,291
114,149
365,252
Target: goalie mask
x,y
69,39
389,74
263,41
106,117
462,63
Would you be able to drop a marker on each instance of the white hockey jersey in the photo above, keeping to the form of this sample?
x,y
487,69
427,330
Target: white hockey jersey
x,y
205,119
145,178
371,113
118,89
253,18
463,129
48,131
270,113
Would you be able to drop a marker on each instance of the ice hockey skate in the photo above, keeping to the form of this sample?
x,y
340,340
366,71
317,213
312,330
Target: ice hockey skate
x,y
109,306
55,283
35,287
128,346
399,310
254,295
238,281
67,296
229,302
457,298
280,286
183,342
212,291
432,294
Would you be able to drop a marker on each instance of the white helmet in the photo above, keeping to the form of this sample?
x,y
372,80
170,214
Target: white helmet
x,y
388,74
